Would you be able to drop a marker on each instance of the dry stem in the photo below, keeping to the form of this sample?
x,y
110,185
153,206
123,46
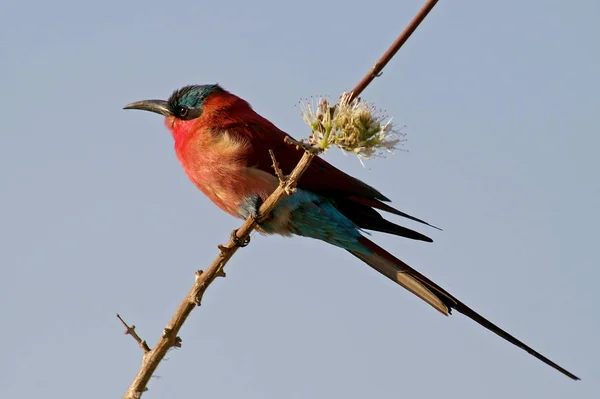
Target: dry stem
x,y
375,71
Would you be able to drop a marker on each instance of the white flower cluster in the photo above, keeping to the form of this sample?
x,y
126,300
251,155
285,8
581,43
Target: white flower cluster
x,y
354,126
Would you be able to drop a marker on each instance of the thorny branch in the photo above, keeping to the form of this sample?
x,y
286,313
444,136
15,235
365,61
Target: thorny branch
x,y
287,185
131,331
204,279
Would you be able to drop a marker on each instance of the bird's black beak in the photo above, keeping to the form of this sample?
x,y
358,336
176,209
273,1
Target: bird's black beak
x,y
157,106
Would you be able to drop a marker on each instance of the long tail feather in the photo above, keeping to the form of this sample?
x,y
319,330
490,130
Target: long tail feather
x,y
375,203
368,218
400,276
436,296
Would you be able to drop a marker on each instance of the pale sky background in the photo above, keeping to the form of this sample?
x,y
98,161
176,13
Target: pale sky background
x,y
502,107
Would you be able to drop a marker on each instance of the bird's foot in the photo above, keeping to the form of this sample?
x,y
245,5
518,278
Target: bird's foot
x,y
256,215
237,241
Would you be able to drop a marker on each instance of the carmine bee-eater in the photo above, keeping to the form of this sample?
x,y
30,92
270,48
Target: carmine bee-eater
x,y
223,146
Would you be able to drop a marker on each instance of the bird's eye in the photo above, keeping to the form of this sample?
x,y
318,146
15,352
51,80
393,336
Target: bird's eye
x,y
182,111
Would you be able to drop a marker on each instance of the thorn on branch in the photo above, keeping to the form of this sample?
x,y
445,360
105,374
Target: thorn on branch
x,y
278,171
374,70
197,299
223,249
173,341
130,330
282,179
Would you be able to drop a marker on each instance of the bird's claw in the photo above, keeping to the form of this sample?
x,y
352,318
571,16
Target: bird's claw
x,y
256,215
237,241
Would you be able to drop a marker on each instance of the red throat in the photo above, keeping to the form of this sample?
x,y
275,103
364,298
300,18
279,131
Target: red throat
x,y
179,128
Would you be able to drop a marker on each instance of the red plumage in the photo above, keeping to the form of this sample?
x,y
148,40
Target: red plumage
x,y
356,200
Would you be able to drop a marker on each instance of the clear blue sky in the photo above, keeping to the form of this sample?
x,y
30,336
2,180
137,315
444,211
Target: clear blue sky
x,y
502,110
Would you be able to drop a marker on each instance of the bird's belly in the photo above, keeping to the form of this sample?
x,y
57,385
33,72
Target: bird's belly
x,y
216,162
231,188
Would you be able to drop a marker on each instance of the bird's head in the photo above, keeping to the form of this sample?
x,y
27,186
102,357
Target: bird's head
x,y
184,104
192,109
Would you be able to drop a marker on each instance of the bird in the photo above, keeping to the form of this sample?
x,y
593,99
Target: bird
x,y
223,146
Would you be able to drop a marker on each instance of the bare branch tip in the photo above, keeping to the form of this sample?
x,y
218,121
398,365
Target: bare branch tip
x,y
122,321
278,171
130,330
